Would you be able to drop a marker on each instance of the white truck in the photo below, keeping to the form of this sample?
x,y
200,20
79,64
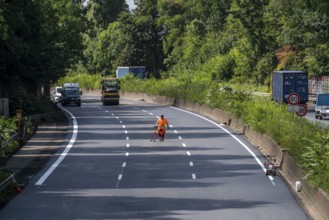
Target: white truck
x,y
322,106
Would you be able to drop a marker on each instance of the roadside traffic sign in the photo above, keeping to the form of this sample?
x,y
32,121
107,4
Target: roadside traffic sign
x,y
293,108
302,110
293,98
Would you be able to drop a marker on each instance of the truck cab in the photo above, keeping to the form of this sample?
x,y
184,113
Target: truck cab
x,y
322,106
71,94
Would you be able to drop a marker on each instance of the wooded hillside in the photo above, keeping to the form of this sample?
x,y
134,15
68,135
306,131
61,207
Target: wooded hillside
x,y
239,40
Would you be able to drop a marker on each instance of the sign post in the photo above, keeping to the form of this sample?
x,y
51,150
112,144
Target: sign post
x,y
19,119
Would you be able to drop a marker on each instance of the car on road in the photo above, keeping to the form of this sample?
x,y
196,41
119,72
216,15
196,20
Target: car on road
x,y
322,106
57,94
71,94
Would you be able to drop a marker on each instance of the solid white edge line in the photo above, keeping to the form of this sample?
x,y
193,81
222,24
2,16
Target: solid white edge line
x,y
63,155
233,136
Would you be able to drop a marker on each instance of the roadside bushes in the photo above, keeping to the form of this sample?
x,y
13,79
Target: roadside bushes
x,y
307,142
8,127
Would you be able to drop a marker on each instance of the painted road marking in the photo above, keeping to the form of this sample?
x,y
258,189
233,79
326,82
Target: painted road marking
x,y
233,136
128,145
65,152
191,164
124,164
193,176
184,145
188,153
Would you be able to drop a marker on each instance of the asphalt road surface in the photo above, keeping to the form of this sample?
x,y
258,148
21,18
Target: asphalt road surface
x,y
109,169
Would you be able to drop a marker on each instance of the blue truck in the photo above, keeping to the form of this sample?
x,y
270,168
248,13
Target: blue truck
x,y
137,71
286,82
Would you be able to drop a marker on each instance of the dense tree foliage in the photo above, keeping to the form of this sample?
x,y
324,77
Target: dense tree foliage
x,y
221,40
39,41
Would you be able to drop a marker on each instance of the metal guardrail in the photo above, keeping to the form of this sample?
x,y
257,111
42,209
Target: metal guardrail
x,y
19,136
22,134
10,180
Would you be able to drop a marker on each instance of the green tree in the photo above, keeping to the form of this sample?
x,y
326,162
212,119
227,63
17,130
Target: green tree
x,y
143,38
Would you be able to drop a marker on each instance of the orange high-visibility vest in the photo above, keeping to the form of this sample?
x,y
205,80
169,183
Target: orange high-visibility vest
x,y
162,123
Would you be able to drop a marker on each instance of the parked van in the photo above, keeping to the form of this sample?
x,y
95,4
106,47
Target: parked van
x,y
71,94
322,106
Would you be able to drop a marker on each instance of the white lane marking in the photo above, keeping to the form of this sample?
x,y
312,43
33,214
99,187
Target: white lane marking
x,y
124,164
126,132
65,152
112,114
128,145
233,136
179,137
106,111
123,126
171,126
120,177
117,117
120,122
193,176
191,164
144,111
150,113
188,153
127,138
183,144
175,131
127,154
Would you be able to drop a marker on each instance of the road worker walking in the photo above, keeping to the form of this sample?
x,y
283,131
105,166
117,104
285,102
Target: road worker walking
x,y
162,124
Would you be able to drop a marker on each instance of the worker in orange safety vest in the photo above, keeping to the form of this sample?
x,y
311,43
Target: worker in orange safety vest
x,y
162,124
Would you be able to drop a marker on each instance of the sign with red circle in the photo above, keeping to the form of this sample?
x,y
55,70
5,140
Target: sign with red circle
x,y
302,110
293,98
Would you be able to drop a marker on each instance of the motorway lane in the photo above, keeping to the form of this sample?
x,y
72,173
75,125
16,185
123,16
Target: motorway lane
x,y
114,171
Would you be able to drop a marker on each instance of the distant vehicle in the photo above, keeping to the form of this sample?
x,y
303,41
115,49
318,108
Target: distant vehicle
x,y
285,82
71,94
322,106
57,94
137,71
110,91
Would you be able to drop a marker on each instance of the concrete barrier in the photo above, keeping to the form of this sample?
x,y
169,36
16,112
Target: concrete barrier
x,y
315,201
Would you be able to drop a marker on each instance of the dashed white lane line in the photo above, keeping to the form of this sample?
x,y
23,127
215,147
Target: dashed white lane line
x,y
233,136
120,177
127,154
175,131
126,132
191,164
124,164
128,145
184,145
188,153
193,176
123,126
150,113
179,137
